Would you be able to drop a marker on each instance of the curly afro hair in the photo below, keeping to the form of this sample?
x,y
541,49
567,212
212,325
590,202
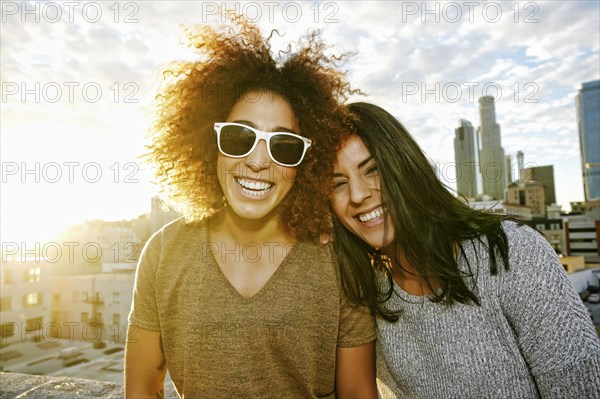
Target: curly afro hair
x,y
235,59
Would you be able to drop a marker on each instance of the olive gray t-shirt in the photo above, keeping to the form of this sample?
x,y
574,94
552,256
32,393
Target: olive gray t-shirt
x,y
280,343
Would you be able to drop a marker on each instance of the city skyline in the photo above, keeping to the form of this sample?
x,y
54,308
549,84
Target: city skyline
x,y
77,84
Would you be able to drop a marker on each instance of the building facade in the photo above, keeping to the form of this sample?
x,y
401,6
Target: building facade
x,y
94,307
25,300
545,175
588,122
582,233
529,194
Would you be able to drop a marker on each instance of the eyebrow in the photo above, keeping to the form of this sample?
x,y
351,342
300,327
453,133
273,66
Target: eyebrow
x,y
360,165
277,129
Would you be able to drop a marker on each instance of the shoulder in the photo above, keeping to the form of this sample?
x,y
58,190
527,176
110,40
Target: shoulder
x,y
520,239
179,227
314,264
314,252
529,253
531,257
523,241
174,234
516,231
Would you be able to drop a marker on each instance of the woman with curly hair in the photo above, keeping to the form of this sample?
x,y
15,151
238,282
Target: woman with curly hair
x,y
469,304
237,299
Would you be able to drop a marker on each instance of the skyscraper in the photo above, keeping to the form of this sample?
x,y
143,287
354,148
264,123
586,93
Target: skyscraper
x,y
491,153
521,165
588,121
508,168
464,158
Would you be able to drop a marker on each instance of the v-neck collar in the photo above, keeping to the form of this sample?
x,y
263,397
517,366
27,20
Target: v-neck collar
x,y
235,293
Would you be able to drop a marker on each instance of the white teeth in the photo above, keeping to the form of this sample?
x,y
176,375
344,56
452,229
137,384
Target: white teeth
x,y
252,187
374,214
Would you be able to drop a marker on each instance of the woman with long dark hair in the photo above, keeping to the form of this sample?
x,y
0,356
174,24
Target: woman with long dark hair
x,y
469,304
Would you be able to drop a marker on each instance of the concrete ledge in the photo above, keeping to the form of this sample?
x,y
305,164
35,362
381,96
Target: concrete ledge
x,y
14,385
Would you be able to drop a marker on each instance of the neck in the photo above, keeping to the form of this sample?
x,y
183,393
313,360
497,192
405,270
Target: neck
x,y
268,229
406,275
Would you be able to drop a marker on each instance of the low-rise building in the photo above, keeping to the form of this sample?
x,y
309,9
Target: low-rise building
x,y
94,307
582,235
25,302
528,194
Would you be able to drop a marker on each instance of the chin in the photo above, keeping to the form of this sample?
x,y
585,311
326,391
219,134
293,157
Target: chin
x,y
377,241
252,212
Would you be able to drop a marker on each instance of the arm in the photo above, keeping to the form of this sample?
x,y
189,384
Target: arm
x,y
355,372
355,357
145,365
552,326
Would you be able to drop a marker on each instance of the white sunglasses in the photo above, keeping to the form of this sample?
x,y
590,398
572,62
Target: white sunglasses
x,y
237,141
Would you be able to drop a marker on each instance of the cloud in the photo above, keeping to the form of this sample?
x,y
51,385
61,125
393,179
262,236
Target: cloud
x,y
537,53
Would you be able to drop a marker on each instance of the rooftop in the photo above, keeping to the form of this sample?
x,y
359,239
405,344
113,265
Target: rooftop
x,y
27,386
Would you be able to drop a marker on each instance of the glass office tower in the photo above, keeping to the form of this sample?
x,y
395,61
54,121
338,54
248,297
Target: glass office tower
x,y
588,121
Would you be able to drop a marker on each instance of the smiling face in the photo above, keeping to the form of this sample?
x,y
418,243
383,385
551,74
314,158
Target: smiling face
x,y
255,185
356,196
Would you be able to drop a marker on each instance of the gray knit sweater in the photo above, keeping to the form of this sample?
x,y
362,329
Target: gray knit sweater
x,y
531,337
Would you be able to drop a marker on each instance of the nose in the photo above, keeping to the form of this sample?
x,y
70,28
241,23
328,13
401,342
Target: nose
x,y
258,159
360,190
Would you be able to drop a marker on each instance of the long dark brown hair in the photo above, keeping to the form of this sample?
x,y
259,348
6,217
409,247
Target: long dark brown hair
x,y
430,223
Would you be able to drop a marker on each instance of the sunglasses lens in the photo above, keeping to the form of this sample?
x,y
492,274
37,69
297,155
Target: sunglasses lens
x,y
236,140
287,150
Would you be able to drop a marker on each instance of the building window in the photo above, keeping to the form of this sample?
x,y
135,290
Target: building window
x,y
8,329
521,197
56,298
116,320
540,227
75,296
97,297
32,299
8,277
554,226
5,303
55,316
116,297
34,324
85,296
32,275
85,317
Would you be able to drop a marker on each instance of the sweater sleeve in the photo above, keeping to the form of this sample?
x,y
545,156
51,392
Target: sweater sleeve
x,y
553,328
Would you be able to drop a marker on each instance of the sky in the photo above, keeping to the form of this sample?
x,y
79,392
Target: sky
x,y
78,79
